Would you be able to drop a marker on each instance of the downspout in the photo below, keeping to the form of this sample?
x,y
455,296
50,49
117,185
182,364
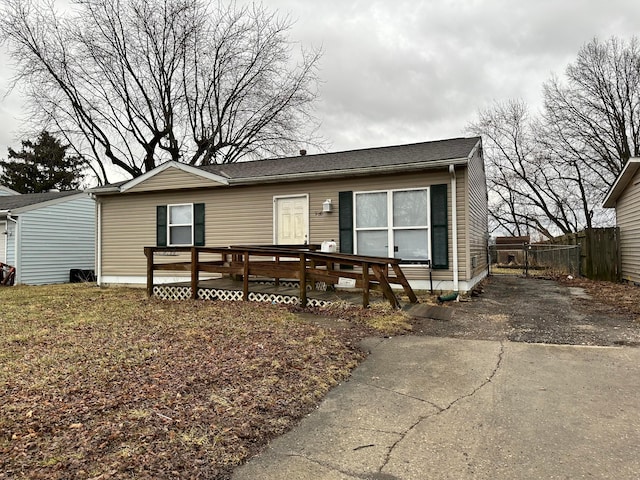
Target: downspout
x,y
98,240
15,247
6,240
454,229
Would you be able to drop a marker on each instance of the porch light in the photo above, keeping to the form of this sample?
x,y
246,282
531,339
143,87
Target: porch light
x,y
327,207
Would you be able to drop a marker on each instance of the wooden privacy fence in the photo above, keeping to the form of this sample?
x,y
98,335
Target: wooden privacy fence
x,y
599,252
303,264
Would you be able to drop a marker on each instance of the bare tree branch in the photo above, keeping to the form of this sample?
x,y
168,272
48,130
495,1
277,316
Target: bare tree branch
x,y
134,83
551,174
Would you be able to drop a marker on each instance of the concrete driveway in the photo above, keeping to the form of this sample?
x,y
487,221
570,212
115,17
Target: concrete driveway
x,y
436,408
423,407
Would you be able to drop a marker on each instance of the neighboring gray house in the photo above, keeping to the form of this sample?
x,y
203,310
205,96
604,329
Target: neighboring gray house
x,y
7,191
624,196
45,235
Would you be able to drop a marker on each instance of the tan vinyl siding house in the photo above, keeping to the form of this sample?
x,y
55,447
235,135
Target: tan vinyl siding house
x,y
624,196
476,217
241,205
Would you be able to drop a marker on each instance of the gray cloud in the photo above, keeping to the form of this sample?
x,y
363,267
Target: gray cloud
x,y
408,71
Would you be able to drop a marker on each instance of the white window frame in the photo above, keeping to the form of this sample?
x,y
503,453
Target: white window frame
x,y
390,228
169,225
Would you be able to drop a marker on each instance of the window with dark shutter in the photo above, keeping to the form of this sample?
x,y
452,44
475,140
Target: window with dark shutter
x,y
180,225
439,227
161,225
345,212
198,214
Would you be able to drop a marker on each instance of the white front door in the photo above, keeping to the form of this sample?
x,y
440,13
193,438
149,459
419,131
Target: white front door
x,y
291,220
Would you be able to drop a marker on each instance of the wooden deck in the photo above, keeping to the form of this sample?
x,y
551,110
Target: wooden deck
x,y
300,275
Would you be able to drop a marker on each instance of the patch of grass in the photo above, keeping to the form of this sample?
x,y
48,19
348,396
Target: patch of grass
x,y
107,382
379,317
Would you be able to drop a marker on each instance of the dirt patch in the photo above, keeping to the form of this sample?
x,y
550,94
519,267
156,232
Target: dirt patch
x,y
566,311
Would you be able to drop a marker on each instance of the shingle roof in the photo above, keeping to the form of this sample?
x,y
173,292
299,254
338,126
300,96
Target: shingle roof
x,y
456,148
12,202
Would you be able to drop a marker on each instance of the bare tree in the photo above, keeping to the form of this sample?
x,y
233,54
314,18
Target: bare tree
x,y
134,83
529,192
549,174
593,118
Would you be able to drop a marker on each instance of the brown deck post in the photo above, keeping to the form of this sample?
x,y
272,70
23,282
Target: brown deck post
x,y
245,277
365,284
148,252
194,273
312,265
277,279
303,280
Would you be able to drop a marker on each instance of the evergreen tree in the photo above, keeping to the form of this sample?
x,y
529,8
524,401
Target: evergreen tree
x,y
41,166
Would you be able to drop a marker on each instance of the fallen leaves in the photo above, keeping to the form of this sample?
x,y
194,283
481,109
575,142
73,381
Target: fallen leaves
x,y
105,383
608,296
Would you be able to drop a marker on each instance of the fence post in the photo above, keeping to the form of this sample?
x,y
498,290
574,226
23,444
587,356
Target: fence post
x,y
194,273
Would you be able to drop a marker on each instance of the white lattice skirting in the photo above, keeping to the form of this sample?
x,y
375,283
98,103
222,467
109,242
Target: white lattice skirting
x,y
320,286
172,292
216,294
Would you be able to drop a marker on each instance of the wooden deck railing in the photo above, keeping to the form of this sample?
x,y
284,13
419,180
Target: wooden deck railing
x,y
302,263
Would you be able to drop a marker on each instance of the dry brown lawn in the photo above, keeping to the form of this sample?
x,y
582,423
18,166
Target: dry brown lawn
x,y
105,383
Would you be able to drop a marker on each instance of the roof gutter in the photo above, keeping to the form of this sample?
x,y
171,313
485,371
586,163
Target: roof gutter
x,y
103,190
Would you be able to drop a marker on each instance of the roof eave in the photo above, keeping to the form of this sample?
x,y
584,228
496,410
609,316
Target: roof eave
x,y
407,167
46,203
103,190
621,183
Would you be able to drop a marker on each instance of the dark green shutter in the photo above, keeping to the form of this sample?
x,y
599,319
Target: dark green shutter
x,y
161,225
345,210
198,234
439,227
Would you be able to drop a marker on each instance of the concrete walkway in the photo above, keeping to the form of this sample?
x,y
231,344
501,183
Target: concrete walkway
x,y
442,408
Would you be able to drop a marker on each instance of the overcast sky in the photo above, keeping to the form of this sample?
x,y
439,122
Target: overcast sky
x,y
401,71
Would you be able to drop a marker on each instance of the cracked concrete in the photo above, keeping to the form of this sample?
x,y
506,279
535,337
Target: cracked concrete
x,y
424,407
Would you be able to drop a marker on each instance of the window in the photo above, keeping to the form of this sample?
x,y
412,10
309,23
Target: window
x,y
180,225
393,223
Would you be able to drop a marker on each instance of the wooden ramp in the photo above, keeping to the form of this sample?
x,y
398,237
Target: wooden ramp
x,y
290,274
